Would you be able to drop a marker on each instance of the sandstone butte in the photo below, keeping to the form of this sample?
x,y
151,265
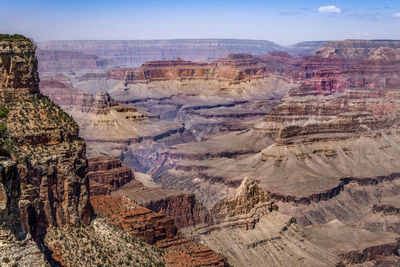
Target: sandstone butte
x,y
45,212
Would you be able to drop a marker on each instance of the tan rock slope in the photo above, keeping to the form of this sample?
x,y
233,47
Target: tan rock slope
x,y
238,76
249,230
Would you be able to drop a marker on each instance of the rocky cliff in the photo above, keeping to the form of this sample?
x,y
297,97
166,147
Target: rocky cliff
x,y
182,206
251,231
156,229
107,174
17,246
233,68
108,177
49,154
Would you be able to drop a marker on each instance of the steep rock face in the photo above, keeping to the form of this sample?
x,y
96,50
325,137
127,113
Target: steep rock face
x,y
156,229
18,73
17,247
61,91
182,206
247,196
337,66
107,174
233,68
275,239
9,193
50,155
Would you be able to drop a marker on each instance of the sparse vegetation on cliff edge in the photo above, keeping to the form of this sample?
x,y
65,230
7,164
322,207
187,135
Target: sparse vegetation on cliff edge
x,y
13,37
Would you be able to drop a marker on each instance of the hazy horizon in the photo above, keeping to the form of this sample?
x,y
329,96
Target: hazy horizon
x,y
284,22
183,39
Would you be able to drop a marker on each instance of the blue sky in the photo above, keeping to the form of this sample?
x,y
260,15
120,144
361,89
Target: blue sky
x,y
284,22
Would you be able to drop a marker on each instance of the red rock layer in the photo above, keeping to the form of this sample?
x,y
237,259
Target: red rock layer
x,y
155,229
353,64
106,174
180,205
184,208
361,79
235,67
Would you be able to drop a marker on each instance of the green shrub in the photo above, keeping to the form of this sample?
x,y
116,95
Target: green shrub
x,y
3,130
3,112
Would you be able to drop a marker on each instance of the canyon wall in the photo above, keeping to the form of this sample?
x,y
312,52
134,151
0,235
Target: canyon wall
x,y
50,155
108,177
156,229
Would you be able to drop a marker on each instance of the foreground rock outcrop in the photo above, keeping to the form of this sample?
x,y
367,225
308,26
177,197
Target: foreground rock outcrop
x,y
182,206
50,155
16,246
101,243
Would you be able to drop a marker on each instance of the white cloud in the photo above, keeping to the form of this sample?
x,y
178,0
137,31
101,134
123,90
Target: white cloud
x,y
396,15
329,9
